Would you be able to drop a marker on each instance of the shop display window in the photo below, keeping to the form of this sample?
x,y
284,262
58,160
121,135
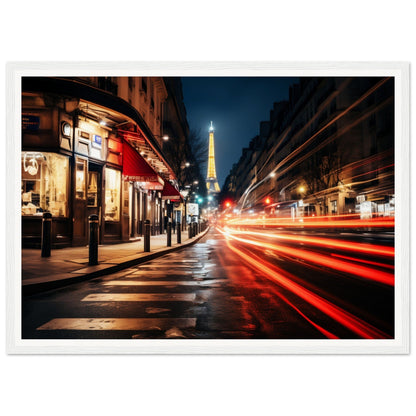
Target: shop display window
x,y
45,178
112,194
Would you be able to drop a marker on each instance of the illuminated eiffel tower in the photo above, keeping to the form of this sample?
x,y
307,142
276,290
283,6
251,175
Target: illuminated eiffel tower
x,y
212,182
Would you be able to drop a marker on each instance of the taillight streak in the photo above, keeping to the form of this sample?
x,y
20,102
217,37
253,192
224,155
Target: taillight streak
x,y
325,242
321,260
353,323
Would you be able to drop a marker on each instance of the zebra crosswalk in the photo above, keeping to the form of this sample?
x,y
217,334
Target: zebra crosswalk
x,y
162,295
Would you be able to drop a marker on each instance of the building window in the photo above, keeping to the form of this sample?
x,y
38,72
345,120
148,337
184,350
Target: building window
x,y
333,207
80,176
112,194
45,184
144,85
131,83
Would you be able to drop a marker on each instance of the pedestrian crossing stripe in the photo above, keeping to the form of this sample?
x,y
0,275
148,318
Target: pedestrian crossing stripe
x,y
140,297
159,283
170,266
162,272
117,324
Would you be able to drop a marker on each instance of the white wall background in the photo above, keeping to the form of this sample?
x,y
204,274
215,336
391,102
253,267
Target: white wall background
x,y
217,30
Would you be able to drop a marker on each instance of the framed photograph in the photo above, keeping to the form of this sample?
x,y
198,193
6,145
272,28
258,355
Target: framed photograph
x,y
208,208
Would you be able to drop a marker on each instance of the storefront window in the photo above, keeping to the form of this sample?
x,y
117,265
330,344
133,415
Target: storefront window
x,y
112,194
44,184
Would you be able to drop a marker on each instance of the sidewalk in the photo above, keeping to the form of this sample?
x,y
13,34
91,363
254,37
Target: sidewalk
x,y
70,265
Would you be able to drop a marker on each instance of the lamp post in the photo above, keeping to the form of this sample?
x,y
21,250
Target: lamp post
x,y
184,193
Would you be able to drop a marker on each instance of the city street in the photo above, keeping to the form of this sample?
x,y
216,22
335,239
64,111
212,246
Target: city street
x,y
233,284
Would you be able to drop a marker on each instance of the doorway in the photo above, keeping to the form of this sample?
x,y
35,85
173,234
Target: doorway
x,y
94,194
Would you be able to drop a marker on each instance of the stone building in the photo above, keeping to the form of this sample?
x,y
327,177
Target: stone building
x,y
95,145
329,150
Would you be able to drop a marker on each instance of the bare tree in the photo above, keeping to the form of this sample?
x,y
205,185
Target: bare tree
x,y
322,172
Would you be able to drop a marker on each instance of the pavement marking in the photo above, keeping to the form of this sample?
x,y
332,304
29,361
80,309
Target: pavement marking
x,y
140,297
157,310
161,282
180,261
151,283
119,324
159,273
169,266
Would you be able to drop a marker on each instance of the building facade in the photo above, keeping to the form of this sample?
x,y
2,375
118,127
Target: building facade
x,y
329,150
94,145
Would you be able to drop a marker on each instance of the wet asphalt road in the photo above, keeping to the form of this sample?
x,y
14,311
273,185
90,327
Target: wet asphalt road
x,y
204,291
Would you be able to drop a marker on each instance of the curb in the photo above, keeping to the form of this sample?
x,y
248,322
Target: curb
x,y
34,288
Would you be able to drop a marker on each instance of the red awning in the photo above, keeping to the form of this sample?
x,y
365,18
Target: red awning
x,y
136,169
170,192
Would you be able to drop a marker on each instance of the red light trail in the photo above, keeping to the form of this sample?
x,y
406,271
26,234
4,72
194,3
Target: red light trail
x,y
310,222
283,278
326,242
319,259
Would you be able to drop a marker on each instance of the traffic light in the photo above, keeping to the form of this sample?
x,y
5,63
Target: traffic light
x,y
267,200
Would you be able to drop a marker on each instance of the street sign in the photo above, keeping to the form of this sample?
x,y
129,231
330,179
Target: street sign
x,y
192,209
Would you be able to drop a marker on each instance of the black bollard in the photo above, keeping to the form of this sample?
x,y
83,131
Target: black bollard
x,y
169,234
178,233
93,241
147,235
46,240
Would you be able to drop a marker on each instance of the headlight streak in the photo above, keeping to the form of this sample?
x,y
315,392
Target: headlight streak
x,y
315,222
353,323
322,260
325,242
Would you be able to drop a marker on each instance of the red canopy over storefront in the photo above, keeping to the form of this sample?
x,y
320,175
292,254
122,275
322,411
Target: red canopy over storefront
x,y
170,192
136,169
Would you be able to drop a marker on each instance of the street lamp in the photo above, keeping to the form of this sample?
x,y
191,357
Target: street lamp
x,y
164,137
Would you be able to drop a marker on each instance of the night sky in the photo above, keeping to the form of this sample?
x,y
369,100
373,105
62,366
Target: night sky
x,y
236,106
